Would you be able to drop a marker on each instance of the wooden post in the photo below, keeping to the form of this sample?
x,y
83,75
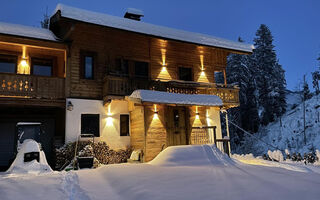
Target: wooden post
x,y
228,134
225,77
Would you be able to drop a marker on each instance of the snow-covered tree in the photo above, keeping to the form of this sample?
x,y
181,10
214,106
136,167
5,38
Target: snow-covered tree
x,y
269,76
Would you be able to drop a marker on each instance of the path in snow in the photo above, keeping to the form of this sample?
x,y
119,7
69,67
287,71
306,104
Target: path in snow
x,y
70,186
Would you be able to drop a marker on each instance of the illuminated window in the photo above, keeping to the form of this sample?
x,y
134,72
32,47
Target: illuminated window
x,y
42,67
185,74
124,125
8,64
90,124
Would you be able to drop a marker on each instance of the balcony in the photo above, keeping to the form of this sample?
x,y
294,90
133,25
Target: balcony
x,y
116,86
20,86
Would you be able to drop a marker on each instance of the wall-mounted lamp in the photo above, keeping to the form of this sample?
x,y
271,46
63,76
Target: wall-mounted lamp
x,y
69,106
197,113
23,62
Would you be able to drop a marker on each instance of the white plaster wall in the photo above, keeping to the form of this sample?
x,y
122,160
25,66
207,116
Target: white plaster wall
x,y
109,122
213,119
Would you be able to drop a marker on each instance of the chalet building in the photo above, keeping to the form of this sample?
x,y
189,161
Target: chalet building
x,y
128,82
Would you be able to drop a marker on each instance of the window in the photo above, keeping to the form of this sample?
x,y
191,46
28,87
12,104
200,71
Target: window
x,y
141,69
124,125
8,64
87,64
42,67
185,74
218,77
121,67
90,124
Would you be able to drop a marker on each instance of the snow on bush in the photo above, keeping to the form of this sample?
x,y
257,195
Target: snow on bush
x,y
276,155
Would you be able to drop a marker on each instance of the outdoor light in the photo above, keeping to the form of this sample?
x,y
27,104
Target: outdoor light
x,y
69,106
23,62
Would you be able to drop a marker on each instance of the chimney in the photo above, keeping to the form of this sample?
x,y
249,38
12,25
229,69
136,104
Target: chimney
x,y
134,14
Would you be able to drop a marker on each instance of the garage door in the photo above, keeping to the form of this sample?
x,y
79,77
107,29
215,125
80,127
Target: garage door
x,y
7,143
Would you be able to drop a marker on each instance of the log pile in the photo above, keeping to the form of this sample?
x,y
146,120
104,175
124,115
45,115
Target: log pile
x,y
101,152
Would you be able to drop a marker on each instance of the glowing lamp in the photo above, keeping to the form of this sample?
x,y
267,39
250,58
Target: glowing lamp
x,y
23,62
197,115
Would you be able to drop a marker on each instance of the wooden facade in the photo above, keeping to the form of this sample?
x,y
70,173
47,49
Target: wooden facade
x,y
164,57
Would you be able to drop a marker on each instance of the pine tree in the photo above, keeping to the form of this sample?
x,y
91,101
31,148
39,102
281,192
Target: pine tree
x,y
306,92
246,116
315,81
269,75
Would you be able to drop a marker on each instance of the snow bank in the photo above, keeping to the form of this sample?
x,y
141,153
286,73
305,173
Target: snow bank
x,y
175,98
27,31
209,178
150,29
20,167
191,155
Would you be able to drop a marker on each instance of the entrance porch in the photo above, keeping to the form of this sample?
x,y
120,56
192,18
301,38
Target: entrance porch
x,y
161,119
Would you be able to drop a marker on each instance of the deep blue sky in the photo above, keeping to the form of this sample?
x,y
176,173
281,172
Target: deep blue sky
x,y
293,23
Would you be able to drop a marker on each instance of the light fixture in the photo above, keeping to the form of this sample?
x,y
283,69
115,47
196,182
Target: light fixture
x,y
197,113
23,62
69,106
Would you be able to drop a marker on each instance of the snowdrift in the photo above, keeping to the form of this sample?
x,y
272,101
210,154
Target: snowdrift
x,y
20,167
191,155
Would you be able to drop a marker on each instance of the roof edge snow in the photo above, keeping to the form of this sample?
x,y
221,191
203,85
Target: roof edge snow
x,y
149,29
175,98
27,31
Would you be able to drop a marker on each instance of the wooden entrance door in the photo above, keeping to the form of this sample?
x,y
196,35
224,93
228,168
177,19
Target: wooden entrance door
x,y
176,125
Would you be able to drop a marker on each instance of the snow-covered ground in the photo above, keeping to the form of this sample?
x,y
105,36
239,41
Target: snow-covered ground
x,y
290,135
180,172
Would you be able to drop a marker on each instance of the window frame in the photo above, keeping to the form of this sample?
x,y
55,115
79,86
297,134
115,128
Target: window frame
x,y
81,123
83,55
120,72
187,67
44,59
134,69
128,125
15,57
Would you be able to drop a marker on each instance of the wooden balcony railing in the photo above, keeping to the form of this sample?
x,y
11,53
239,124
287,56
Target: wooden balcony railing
x,y
122,86
29,86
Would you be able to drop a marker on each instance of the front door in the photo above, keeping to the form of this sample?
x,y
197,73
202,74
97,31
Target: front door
x,y
176,125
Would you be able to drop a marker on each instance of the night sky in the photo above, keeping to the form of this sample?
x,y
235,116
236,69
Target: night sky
x,y
293,23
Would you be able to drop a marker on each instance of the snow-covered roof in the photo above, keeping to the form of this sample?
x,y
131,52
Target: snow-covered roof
x,y
175,98
149,29
27,31
134,11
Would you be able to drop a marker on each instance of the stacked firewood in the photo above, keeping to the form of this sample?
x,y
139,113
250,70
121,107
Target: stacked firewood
x,y
100,151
